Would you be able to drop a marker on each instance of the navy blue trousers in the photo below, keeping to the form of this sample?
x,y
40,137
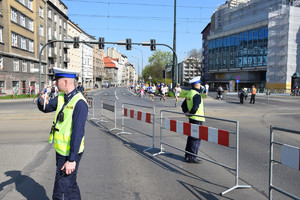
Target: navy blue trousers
x,y
192,144
65,186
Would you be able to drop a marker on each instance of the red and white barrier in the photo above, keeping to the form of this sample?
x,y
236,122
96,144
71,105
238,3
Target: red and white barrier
x,y
290,156
138,115
146,117
209,134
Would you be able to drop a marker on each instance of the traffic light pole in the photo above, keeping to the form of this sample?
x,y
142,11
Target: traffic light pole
x,y
97,42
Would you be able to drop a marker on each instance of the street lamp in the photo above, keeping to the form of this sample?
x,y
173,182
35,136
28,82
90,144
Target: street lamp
x,y
142,58
137,64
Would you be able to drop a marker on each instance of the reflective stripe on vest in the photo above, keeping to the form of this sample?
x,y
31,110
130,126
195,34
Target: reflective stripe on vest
x,y
62,136
189,101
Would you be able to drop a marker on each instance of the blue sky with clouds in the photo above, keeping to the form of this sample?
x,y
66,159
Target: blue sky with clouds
x,y
143,20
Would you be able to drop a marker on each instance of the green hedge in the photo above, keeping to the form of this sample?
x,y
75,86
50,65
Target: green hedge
x,y
21,96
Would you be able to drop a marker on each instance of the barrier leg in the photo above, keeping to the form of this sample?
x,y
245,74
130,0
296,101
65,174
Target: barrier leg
x,y
153,135
115,119
237,164
123,124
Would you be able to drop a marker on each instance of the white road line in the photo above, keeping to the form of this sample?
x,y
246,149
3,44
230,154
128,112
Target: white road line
x,y
116,94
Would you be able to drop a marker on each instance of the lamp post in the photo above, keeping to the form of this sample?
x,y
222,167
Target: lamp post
x,y
138,64
142,59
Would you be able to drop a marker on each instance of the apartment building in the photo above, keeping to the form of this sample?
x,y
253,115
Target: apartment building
x,y
22,32
98,65
57,20
188,69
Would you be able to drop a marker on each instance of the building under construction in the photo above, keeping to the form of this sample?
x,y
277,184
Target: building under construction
x,y
256,42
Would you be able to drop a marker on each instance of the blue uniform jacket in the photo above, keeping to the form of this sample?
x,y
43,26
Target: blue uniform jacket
x,y
79,118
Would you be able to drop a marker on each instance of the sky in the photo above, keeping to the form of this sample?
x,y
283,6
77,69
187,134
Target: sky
x,y
142,20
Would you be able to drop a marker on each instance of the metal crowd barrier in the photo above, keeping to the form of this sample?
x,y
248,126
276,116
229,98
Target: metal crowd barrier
x,y
109,107
147,117
209,134
91,103
290,156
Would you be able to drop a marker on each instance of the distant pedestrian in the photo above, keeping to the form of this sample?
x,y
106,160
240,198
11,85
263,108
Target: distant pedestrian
x,y
206,89
177,91
253,93
81,89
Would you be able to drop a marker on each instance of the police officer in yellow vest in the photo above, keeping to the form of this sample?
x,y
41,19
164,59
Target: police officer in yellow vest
x,y
193,105
67,133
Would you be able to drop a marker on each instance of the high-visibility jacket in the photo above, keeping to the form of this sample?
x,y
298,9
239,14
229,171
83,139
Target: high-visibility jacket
x,y
63,130
189,101
253,91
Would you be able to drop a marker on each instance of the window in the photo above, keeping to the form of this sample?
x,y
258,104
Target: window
x,y
14,40
65,25
22,20
49,14
49,33
55,18
1,40
2,88
31,67
30,24
41,46
41,30
13,15
30,4
24,66
41,12
16,65
23,43
22,2
60,21
30,45
1,63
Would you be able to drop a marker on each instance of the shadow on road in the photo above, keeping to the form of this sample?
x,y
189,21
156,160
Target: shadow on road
x,y
25,185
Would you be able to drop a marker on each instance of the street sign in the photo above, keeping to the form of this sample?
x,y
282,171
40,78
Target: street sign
x,y
237,81
149,77
237,77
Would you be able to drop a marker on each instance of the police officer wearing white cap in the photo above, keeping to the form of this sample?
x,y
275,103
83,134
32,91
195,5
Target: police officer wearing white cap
x,y
67,132
193,106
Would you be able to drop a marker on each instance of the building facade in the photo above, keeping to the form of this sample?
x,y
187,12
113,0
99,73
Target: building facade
x,y
22,31
57,20
98,65
243,44
188,69
74,54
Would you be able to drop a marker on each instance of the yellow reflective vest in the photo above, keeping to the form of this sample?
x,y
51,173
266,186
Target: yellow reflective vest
x,y
190,103
63,130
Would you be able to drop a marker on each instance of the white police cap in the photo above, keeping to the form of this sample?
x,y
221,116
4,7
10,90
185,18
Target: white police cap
x,y
64,73
195,80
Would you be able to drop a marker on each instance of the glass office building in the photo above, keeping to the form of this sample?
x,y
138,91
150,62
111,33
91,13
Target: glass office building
x,y
255,40
241,50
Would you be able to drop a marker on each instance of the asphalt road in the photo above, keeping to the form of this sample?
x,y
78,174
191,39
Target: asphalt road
x,y
116,167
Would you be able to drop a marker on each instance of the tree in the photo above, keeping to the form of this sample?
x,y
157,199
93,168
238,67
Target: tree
x,y
157,63
195,53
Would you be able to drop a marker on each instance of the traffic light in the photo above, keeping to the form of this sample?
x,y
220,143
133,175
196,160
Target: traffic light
x,y
128,44
101,42
76,43
152,45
